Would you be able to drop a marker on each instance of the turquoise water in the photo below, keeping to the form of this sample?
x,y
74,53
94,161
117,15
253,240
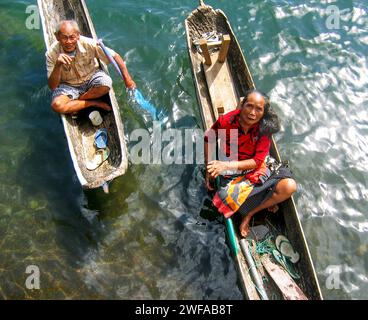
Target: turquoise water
x,y
155,236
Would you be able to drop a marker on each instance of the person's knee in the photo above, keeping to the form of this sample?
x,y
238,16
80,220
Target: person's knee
x,y
290,186
105,89
107,81
58,105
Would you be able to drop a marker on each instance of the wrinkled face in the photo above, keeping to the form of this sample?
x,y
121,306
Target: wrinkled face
x,y
253,109
68,37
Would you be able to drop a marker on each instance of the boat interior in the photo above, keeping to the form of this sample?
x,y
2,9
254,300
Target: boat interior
x,y
80,128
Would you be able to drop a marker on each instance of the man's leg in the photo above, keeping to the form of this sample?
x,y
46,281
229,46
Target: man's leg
x,y
99,84
66,99
94,93
63,104
284,189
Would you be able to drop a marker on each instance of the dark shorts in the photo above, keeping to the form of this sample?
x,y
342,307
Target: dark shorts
x,y
100,78
261,192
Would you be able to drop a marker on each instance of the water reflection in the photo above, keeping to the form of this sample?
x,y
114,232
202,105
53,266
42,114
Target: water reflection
x,y
156,235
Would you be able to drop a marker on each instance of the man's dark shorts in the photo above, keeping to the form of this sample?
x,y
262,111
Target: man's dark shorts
x,y
100,78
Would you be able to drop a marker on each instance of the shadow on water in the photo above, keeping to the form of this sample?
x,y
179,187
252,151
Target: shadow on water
x,y
87,245
47,172
156,235
52,228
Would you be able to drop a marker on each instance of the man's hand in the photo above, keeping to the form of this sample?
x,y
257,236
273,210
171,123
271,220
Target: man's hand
x,y
64,59
214,168
55,76
130,85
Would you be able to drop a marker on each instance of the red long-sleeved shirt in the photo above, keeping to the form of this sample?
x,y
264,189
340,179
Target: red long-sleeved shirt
x,y
250,145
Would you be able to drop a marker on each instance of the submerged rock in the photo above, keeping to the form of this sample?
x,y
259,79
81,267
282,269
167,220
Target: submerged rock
x,y
362,250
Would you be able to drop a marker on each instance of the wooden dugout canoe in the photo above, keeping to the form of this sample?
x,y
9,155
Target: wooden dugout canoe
x,y
80,132
219,88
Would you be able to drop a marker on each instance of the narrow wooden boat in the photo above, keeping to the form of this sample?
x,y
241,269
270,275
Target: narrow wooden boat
x,y
80,132
221,77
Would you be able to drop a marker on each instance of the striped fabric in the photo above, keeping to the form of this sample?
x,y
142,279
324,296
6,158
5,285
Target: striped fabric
x,y
246,192
100,78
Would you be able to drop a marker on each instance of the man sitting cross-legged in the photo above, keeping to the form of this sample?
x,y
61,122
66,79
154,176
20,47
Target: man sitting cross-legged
x,y
74,73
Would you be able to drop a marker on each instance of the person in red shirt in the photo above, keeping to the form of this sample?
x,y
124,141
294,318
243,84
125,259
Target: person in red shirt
x,y
245,139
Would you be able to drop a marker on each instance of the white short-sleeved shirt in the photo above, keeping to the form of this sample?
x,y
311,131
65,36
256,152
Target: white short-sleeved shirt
x,y
84,65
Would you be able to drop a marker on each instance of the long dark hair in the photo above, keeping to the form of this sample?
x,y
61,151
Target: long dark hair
x,y
270,123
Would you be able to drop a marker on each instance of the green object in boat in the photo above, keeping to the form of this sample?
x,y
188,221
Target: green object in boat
x,y
231,233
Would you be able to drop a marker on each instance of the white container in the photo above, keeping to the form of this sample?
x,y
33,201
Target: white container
x,y
95,118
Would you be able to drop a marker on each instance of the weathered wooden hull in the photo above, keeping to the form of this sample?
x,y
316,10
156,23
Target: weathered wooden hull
x,y
203,20
80,132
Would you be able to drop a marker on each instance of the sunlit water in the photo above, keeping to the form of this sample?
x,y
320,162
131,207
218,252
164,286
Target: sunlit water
x,y
155,236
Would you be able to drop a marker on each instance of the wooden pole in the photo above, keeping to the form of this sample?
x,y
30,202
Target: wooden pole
x,y
289,289
206,53
224,48
220,110
253,269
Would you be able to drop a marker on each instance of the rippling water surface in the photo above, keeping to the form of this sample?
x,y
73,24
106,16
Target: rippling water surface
x,y
155,236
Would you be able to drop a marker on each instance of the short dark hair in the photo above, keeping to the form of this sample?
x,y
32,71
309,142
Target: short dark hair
x,y
270,123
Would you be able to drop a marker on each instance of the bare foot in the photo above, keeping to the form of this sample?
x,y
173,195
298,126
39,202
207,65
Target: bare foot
x,y
103,105
244,227
273,208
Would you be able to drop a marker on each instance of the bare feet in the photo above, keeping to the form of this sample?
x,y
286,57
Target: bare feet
x,y
103,105
244,227
273,208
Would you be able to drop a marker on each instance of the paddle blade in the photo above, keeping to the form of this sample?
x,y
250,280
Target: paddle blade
x,y
146,105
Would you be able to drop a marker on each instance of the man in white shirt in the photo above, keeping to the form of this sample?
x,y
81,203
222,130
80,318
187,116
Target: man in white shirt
x,y
74,72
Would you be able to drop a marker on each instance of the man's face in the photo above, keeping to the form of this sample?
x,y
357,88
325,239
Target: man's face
x,y
253,109
68,37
